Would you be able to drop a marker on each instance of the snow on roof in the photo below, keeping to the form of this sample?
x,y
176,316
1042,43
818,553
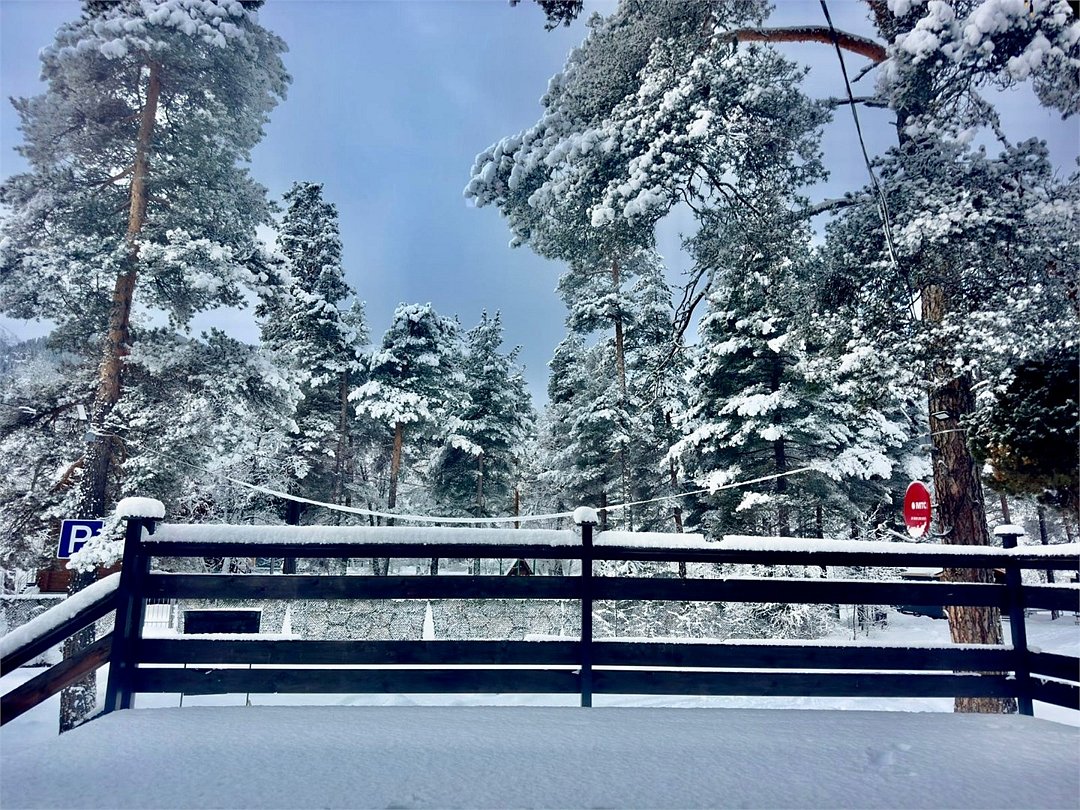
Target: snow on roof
x,y
57,615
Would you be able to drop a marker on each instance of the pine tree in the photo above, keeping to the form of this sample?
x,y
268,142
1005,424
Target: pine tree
x,y
412,384
1030,434
478,470
136,185
319,340
478,466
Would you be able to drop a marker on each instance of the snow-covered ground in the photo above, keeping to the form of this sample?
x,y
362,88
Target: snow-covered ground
x,y
423,756
491,751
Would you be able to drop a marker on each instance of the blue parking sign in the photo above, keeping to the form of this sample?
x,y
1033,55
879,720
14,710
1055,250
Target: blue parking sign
x,y
73,533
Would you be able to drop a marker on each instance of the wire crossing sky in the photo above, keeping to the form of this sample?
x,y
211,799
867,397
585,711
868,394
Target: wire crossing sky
x,y
390,103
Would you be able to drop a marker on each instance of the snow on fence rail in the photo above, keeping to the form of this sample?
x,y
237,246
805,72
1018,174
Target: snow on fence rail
x,y
576,665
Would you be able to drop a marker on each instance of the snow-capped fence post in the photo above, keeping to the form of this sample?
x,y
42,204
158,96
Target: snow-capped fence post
x,y
586,519
1010,538
139,513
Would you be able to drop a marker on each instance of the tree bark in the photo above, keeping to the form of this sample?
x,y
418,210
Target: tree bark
x,y
97,471
813,33
961,510
783,511
1044,538
380,566
677,511
620,369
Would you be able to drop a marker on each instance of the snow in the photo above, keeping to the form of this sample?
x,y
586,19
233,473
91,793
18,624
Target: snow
x,y
1008,530
309,535
425,756
57,615
585,514
743,543
420,536
140,508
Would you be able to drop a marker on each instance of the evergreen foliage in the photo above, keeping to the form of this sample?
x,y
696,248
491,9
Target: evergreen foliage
x,y
318,335
479,464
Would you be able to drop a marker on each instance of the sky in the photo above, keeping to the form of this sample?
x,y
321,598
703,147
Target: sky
x,y
391,101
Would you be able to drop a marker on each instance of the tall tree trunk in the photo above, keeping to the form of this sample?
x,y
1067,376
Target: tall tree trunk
x,y
677,511
342,455
77,700
1044,538
479,503
380,566
342,449
961,510
783,510
624,399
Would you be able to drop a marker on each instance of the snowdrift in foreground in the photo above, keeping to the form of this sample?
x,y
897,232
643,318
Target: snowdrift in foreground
x,y
546,757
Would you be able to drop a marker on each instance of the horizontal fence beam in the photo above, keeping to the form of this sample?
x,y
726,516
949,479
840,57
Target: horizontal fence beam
x,y
355,681
200,651
46,684
797,591
90,614
800,591
801,656
882,559
293,586
1049,597
1054,665
719,554
355,551
800,684
1066,695
567,653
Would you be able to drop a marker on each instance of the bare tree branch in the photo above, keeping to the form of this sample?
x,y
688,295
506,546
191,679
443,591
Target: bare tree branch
x,y
873,51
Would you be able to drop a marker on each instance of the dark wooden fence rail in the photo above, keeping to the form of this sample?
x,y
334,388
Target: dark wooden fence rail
x,y
583,666
46,684
586,666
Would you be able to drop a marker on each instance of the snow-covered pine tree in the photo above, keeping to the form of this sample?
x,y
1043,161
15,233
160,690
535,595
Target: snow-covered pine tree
x,y
414,382
41,392
310,324
656,367
582,462
479,467
1030,433
198,410
137,186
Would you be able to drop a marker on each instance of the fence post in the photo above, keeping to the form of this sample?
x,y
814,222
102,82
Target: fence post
x,y
586,519
1010,536
130,608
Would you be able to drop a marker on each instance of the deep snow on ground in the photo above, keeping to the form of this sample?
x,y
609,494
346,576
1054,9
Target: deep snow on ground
x,y
321,756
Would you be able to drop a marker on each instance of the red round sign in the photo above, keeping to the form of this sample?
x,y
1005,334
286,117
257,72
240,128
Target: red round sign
x,y
917,509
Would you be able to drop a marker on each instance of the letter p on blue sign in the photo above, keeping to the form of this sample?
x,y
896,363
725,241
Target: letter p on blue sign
x,y
73,533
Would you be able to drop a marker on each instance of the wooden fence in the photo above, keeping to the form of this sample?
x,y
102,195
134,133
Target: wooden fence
x,y
583,666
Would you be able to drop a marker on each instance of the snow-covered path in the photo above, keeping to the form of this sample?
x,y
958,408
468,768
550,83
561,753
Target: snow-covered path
x,y
424,756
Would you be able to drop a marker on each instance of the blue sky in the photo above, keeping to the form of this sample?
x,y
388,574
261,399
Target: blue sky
x,y
391,100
